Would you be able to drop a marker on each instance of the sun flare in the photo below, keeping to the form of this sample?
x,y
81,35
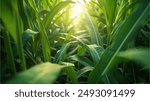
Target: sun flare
x,y
77,9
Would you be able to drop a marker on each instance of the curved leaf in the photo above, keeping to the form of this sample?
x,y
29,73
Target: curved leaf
x,y
95,52
84,61
84,70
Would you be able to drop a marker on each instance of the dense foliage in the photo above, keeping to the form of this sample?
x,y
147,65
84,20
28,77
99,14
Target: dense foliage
x,y
75,41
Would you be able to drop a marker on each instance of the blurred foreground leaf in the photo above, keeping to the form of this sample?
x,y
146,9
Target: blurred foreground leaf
x,y
138,55
40,74
9,14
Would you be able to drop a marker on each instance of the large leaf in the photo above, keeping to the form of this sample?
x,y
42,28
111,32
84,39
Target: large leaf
x,y
114,77
126,32
12,21
9,13
42,73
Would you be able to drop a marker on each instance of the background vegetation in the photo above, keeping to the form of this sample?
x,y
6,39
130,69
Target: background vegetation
x,y
75,41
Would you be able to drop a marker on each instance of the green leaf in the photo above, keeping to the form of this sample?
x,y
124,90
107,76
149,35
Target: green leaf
x,y
126,32
39,74
93,31
54,11
109,10
95,52
42,32
32,4
9,13
83,60
61,53
71,73
125,6
10,56
81,50
28,35
114,77
13,24
138,55
84,70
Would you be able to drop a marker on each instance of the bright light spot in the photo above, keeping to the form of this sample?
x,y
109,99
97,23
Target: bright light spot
x,y
82,1
76,10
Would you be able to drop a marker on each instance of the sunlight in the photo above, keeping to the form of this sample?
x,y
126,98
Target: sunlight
x,y
76,10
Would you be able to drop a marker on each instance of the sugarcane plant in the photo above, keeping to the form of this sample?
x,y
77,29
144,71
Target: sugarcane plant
x,y
75,41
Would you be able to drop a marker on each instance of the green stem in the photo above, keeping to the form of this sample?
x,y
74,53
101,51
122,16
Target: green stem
x,y
43,35
20,45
